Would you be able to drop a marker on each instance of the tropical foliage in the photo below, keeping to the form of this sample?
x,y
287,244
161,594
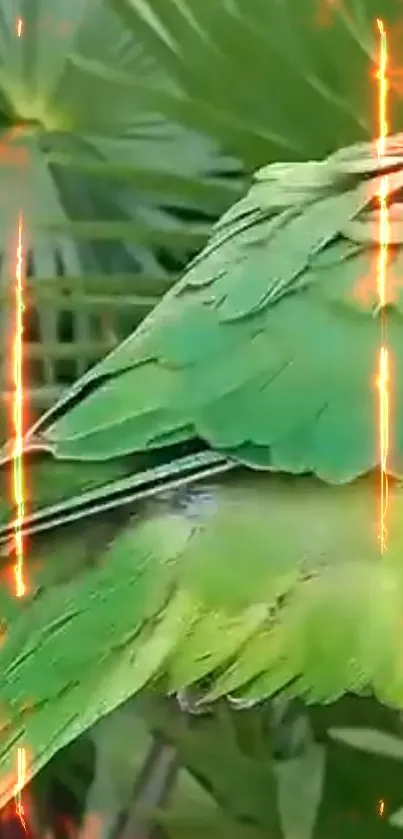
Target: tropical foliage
x,y
100,181
273,81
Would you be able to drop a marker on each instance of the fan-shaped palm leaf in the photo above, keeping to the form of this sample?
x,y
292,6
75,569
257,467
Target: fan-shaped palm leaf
x,y
121,208
273,80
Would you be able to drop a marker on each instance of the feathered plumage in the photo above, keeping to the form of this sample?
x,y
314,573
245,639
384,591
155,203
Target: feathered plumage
x,y
204,504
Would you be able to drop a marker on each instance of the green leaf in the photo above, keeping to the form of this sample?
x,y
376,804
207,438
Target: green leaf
x,y
396,819
299,791
222,56
370,740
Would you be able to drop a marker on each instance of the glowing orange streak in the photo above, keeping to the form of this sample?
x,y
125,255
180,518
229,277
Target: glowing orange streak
x,y
18,417
383,90
18,465
21,777
18,472
382,266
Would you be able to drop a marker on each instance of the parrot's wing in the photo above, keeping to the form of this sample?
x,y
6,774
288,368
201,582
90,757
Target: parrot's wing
x,y
268,347
267,351
254,585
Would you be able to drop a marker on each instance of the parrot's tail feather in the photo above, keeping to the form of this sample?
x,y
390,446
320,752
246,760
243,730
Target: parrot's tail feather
x,y
122,491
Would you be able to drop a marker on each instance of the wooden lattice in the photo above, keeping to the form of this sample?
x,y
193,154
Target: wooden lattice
x,y
67,329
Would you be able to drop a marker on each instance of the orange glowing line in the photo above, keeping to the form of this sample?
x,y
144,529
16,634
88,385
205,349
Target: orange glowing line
x,y
21,779
18,417
383,89
382,267
18,465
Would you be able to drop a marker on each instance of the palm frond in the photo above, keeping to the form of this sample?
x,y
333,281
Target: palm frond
x,y
268,79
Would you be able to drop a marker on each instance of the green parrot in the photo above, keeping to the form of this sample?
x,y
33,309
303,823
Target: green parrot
x,y
203,510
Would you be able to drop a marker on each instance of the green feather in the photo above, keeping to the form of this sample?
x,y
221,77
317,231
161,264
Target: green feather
x,y
267,348
263,359
278,584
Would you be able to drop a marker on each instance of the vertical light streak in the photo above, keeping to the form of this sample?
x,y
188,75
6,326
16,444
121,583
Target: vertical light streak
x,y
21,776
18,463
383,90
18,418
18,468
382,268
